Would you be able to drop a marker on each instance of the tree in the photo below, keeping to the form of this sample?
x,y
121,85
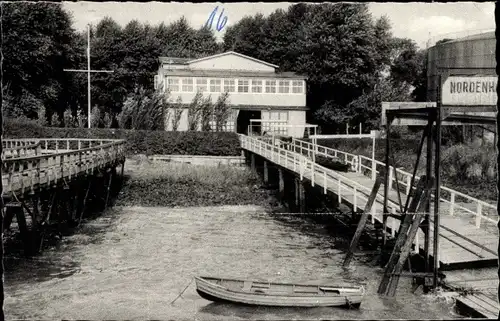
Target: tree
x,y
247,37
144,110
338,56
222,111
207,113
38,43
177,113
367,109
194,109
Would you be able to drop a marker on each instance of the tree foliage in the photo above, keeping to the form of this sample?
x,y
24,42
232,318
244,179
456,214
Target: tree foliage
x,y
144,110
194,110
222,111
38,42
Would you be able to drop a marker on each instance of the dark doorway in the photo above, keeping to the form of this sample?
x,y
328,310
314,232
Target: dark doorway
x,y
243,121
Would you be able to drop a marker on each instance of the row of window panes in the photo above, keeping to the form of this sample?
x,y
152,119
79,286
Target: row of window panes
x,y
233,85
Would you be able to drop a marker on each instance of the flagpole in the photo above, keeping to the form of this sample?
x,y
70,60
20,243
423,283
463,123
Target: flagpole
x,y
88,71
88,74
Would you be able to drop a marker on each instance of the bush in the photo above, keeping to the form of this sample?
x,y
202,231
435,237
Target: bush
x,y
332,164
138,141
174,184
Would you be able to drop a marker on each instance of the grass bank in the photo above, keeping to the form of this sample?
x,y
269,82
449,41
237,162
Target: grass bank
x,y
178,184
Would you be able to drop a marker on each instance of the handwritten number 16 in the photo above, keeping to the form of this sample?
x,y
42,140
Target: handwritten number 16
x,y
220,24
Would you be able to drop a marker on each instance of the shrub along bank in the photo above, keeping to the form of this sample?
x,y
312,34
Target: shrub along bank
x,y
138,141
174,184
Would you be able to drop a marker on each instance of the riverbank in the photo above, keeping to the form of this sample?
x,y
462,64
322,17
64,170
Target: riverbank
x,y
156,183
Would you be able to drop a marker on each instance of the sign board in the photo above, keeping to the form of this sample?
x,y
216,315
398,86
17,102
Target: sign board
x,y
404,105
469,91
464,100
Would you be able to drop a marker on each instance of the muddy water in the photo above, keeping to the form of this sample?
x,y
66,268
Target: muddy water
x,y
132,262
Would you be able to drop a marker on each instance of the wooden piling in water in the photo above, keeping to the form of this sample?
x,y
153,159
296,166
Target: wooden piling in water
x,y
362,222
281,183
266,173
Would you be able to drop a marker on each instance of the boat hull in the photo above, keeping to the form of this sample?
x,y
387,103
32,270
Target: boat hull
x,y
217,293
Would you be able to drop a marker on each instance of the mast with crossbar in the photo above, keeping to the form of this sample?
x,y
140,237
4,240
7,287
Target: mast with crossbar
x,y
88,71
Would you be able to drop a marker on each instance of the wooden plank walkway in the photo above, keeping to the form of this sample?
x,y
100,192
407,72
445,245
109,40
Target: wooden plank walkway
x,y
482,284
34,164
462,244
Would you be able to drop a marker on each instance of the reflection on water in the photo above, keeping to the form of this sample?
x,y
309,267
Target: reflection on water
x,y
132,262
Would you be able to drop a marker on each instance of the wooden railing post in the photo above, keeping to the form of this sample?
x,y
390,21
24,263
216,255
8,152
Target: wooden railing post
x,y
355,199
452,203
324,183
339,191
312,174
302,163
391,176
479,213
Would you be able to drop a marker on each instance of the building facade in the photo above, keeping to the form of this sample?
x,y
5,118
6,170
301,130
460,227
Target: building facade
x,y
256,90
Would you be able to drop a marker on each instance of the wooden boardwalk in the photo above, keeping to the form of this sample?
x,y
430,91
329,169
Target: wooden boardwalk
x,y
480,299
30,165
467,238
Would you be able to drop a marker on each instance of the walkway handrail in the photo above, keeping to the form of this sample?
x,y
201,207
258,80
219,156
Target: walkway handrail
x,y
57,143
20,151
25,172
360,167
261,147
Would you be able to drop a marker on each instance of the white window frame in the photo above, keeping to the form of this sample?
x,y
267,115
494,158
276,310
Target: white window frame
x,y
213,84
174,81
269,85
243,83
257,86
228,85
282,87
203,86
297,84
189,79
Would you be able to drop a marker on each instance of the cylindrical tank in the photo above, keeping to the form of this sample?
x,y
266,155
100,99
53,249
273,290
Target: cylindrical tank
x,y
476,51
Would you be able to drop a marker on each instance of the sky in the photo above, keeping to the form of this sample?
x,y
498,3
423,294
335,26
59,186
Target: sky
x,y
417,21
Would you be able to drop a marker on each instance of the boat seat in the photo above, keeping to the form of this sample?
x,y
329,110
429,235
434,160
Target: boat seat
x,y
247,285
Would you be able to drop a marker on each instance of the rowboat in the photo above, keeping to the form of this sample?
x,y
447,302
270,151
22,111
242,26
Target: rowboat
x,y
278,294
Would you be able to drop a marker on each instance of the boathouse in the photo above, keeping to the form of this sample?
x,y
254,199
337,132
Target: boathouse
x,y
256,90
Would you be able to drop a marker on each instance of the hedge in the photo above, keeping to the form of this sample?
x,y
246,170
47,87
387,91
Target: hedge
x,y
138,141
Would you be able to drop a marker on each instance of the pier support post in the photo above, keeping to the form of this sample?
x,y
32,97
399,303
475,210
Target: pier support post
x,y
302,198
23,228
252,161
297,199
7,219
266,173
281,183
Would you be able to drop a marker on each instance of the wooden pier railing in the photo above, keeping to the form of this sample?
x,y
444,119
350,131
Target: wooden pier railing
x,y
57,159
458,203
